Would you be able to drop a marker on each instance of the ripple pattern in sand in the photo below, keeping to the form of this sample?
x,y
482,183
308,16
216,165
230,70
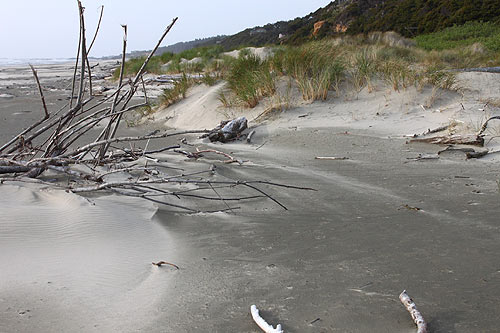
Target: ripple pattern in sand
x,y
94,253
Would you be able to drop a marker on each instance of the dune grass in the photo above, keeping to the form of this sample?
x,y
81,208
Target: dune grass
x,y
177,92
250,79
314,71
322,67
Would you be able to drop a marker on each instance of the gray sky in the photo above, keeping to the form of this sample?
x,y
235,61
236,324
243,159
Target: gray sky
x,y
49,28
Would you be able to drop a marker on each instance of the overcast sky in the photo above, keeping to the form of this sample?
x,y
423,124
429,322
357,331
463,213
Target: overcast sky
x,y
49,28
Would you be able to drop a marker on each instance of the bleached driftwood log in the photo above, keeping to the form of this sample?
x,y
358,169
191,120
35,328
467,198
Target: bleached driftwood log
x,y
456,139
415,314
262,323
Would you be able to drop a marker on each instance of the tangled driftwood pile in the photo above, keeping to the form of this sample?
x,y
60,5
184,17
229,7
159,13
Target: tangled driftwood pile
x,y
49,145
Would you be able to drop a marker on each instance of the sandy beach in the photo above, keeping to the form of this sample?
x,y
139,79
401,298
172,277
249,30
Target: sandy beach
x,y
382,219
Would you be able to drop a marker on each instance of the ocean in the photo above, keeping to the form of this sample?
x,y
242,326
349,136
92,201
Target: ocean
x,y
33,61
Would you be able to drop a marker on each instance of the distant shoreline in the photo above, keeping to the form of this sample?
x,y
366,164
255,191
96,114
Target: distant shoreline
x,y
13,62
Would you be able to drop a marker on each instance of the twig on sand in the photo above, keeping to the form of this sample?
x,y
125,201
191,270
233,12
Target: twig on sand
x,y
160,263
415,314
250,135
262,323
331,158
229,160
430,131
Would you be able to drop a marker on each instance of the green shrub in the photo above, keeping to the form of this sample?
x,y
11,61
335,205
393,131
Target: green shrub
x,y
487,33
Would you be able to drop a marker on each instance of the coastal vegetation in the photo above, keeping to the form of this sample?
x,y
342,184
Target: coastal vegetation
x,y
176,62
409,18
485,33
427,43
321,67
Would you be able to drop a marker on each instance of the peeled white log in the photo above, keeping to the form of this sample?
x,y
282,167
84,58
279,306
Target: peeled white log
x,y
415,314
262,323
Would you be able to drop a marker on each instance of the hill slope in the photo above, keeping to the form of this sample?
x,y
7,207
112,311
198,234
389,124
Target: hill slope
x,y
407,17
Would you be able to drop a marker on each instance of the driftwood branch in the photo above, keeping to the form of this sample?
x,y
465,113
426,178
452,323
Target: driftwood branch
x,y
262,323
40,91
161,263
250,135
485,125
101,165
415,314
96,30
128,139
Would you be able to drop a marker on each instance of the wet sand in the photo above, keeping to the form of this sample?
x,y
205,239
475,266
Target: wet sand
x,y
336,261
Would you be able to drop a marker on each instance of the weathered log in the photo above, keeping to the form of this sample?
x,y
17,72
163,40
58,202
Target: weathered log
x,y
457,139
228,131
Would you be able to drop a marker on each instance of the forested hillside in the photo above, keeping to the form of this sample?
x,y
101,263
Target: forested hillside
x,y
407,17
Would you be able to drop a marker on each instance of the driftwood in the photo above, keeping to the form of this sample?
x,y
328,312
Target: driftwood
x,y
430,131
485,125
262,323
250,135
457,139
331,158
415,314
479,69
469,152
48,145
161,263
228,130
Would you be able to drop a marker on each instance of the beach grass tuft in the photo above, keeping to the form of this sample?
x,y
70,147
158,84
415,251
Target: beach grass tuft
x,y
250,79
177,92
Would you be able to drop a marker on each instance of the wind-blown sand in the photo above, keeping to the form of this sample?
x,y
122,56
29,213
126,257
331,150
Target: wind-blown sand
x,y
335,261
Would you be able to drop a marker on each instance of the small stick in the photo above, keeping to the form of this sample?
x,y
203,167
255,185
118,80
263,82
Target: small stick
x,y
144,89
160,263
105,133
267,195
73,83
230,158
40,91
331,158
97,30
415,314
262,323
249,137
